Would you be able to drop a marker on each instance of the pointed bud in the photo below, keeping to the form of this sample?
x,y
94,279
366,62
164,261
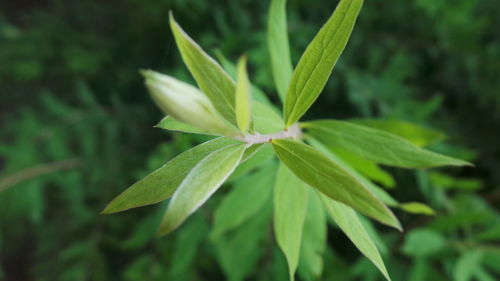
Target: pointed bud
x,y
186,103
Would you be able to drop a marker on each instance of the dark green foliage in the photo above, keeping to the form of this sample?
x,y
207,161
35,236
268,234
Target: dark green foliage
x,y
70,90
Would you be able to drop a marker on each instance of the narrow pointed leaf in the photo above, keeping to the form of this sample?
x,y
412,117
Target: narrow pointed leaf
x,y
243,97
171,124
201,182
290,205
211,78
418,135
245,199
162,183
417,208
279,49
266,119
317,62
376,145
327,176
347,219
186,104
313,239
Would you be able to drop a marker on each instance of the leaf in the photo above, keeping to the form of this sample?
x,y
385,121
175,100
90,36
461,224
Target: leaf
x,y
264,154
266,119
423,242
245,199
243,97
290,205
169,123
417,208
201,182
238,252
317,62
313,239
279,49
376,145
186,104
162,183
366,167
467,265
348,221
213,81
331,179
418,135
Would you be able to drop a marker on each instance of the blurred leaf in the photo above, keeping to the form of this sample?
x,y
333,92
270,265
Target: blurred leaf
x,y
266,119
313,239
245,199
467,264
260,157
444,181
318,60
348,221
279,49
422,242
243,97
162,183
331,179
238,252
200,183
376,145
290,205
417,208
420,136
211,78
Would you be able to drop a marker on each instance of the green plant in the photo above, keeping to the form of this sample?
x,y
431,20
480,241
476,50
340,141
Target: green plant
x,y
311,176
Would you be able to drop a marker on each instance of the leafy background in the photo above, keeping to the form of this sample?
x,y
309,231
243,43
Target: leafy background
x,y
76,129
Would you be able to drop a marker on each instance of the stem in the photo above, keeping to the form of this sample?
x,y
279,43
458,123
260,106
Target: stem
x,y
293,132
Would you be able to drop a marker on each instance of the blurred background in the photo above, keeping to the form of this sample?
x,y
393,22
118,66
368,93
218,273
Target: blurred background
x,y
76,129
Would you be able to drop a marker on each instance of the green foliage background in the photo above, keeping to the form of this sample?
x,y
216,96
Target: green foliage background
x,y
70,90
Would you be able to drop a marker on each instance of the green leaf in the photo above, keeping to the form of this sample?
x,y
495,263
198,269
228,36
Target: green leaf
x,y
266,119
423,242
417,208
245,199
317,62
201,182
418,135
348,221
467,265
243,97
332,179
169,123
162,183
366,167
313,239
211,78
264,154
376,145
279,49
290,205
186,104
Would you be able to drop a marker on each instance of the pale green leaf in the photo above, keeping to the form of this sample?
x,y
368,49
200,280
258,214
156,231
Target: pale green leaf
x,y
209,75
279,49
327,176
186,103
347,219
162,183
366,167
290,205
266,119
317,62
467,265
313,239
264,154
201,182
169,123
246,198
243,97
423,242
417,208
418,135
376,145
